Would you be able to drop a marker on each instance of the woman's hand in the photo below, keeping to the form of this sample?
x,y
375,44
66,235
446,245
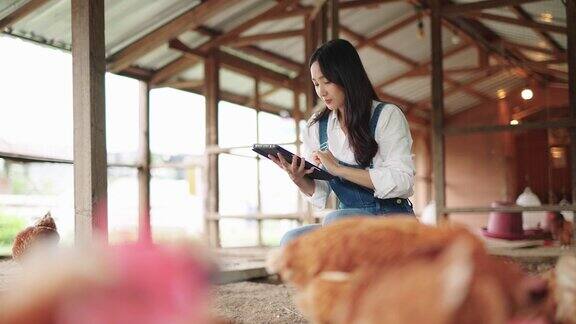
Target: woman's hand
x,y
295,170
327,160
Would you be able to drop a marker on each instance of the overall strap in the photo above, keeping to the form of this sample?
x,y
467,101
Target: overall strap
x,y
374,119
374,122
322,131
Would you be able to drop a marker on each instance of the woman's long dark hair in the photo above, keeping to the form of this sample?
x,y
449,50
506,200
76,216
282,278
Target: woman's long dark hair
x,y
341,64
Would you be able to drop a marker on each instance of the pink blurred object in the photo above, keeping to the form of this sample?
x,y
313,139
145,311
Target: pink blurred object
x,y
508,226
153,285
132,283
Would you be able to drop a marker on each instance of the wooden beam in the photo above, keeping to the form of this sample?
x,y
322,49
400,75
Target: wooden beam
x,y
316,9
421,66
173,68
439,164
90,167
212,95
397,26
248,68
181,84
384,50
235,32
188,20
470,83
518,22
408,61
257,52
353,4
246,101
253,39
463,8
144,227
457,131
466,69
137,73
531,48
21,13
232,62
291,11
525,113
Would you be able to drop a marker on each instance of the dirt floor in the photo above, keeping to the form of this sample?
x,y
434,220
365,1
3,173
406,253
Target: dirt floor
x,y
255,302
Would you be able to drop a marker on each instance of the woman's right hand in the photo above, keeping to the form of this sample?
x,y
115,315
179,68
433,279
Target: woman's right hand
x,y
296,170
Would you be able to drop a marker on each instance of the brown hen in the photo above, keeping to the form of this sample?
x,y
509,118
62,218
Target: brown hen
x,y
44,231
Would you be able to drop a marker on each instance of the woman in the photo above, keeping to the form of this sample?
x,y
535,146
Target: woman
x,y
364,142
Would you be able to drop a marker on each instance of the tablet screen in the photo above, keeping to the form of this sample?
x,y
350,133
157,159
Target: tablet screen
x,y
274,149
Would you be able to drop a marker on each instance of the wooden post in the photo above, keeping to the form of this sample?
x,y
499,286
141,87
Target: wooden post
x,y
334,19
571,60
437,111
212,93
322,27
504,117
144,228
297,115
309,46
90,166
258,161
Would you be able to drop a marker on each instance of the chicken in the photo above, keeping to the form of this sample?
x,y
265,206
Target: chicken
x,y
43,232
349,247
561,229
361,241
455,287
447,289
563,289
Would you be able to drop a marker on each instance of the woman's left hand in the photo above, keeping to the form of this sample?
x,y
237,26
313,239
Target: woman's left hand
x,y
328,161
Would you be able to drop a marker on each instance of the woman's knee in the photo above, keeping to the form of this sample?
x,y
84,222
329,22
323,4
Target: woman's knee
x,y
344,213
296,232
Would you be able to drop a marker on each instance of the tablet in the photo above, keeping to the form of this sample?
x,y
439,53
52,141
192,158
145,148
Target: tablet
x,y
274,149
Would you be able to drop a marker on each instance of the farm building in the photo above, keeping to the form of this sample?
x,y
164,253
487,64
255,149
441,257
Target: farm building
x,y
134,121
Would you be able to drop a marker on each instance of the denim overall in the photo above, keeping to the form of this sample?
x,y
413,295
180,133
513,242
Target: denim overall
x,y
355,200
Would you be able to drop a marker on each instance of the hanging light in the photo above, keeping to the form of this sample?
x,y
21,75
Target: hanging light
x,y
527,94
514,122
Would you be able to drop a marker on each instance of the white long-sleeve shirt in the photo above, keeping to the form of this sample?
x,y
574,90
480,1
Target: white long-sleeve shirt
x,y
393,170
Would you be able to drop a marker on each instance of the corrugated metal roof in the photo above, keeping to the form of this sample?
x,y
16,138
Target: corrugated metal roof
x,y
411,89
513,33
408,42
9,6
504,80
126,21
281,97
387,66
466,58
129,20
366,21
236,83
540,10
459,101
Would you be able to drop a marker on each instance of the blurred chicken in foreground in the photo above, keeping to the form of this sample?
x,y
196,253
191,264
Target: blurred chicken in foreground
x,y
43,232
563,286
133,283
366,264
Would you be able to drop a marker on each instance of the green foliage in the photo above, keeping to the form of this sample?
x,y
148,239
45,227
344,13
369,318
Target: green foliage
x,y
9,228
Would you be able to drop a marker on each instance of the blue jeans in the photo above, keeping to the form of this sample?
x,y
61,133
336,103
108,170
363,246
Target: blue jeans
x,y
387,206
